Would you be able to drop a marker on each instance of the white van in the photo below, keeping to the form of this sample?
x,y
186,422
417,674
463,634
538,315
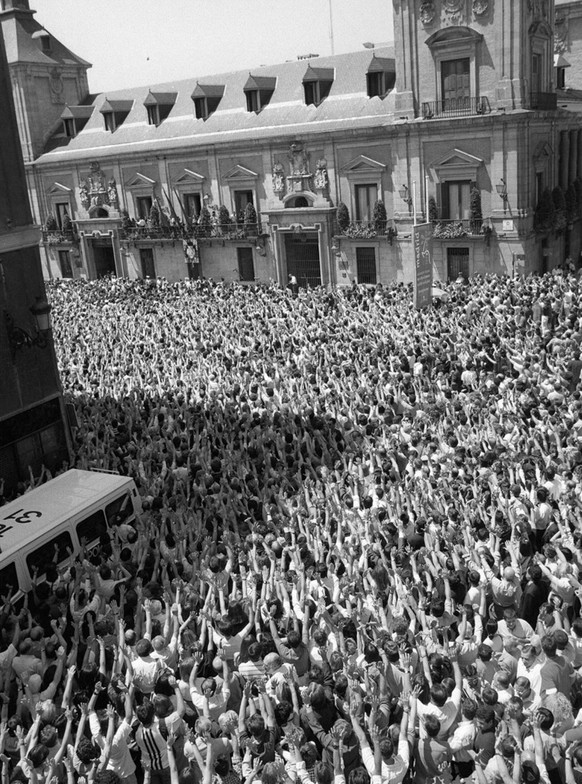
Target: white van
x,y
75,506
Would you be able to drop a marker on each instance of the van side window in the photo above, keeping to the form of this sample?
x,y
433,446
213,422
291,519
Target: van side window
x,y
44,555
8,577
120,510
92,527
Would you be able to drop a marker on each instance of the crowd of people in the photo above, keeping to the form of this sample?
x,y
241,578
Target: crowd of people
x,y
359,552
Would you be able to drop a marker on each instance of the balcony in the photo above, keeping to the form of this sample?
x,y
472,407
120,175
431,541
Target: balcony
x,y
234,230
546,102
368,230
140,233
58,237
455,107
200,231
453,229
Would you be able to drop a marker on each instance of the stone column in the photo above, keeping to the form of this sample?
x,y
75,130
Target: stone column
x,y
564,159
573,167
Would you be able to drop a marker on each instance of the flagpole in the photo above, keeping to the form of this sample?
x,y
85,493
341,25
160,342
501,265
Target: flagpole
x,y
414,202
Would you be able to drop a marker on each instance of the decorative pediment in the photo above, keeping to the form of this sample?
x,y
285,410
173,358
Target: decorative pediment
x,y
540,30
140,180
190,177
452,36
57,188
457,164
239,172
457,158
362,163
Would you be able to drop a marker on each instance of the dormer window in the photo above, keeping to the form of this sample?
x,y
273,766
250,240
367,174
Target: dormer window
x,y
206,98
317,83
44,38
380,77
159,106
114,113
259,91
74,119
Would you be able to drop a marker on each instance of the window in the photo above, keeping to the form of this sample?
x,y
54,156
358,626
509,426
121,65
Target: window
x,y
365,196
65,264
143,205
366,265
62,211
259,91
159,106
45,554
92,527
69,128
561,78
148,267
204,107
380,77
9,577
109,119
457,263
317,84
45,42
114,113
536,73
75,119
456,200
207,98
241,199
120,510
192,205
246,266
153,115
455,83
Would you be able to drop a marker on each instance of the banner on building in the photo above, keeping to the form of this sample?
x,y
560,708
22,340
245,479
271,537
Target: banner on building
x,y
422,236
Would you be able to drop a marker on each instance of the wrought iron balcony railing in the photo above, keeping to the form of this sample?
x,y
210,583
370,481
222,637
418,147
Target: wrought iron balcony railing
x,y
450,229
362,230
455,107
230,231
57,237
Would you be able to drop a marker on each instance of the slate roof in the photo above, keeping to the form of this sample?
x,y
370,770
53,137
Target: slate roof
x,y
346,107
21,47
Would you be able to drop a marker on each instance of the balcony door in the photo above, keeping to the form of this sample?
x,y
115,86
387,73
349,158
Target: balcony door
x,y
455,84
457,200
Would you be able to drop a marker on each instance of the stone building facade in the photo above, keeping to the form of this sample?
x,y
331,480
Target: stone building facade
x,y
33,423
461,123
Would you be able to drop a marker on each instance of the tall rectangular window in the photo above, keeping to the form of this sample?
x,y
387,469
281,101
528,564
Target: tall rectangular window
x,y
148,267
192,205
455,82
62,210
456,200
65,264
143,205
366,265
536,73
366,196
246,266
241,199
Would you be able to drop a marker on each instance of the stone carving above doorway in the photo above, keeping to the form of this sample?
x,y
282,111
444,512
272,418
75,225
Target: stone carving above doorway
x,y
96,191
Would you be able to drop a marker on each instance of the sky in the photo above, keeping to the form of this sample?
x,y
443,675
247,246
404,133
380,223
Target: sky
x,y
133,43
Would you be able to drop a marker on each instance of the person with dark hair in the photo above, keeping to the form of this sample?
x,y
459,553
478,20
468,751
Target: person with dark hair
x,y
152,733
535,593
